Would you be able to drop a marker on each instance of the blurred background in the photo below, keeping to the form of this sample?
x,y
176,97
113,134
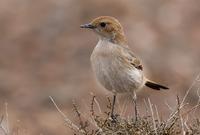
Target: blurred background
x,y
43,52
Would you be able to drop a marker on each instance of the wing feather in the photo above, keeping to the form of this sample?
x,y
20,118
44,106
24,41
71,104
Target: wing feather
x,y
129,57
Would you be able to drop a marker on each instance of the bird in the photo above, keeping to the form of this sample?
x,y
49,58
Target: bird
x,y
116,67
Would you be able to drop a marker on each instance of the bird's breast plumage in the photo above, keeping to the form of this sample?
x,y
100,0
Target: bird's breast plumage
x,y
112,71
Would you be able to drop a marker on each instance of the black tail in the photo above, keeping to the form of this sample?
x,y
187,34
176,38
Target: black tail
x,y
155,85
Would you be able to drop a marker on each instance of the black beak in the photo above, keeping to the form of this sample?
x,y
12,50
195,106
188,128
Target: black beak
x,y
90,26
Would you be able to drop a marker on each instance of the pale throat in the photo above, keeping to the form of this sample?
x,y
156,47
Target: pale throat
x,y
119,39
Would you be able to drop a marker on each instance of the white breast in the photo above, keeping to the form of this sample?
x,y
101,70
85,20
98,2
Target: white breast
x,y
111,72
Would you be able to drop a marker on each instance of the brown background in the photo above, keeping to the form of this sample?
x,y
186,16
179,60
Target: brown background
x,y
44,52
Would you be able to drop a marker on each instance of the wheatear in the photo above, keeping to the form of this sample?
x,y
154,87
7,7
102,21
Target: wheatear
x,y
114,64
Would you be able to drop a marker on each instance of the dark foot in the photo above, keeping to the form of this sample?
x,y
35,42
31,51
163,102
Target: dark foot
x,y
114,118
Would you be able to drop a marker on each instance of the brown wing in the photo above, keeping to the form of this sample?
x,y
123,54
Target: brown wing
x,y
129,56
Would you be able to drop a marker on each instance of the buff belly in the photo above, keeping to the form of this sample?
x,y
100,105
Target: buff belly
x,y
114,76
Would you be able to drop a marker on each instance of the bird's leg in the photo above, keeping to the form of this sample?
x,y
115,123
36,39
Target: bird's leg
x,y
134,96
113,106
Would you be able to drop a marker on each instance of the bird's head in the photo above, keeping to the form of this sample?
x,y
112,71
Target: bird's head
x,y
107,28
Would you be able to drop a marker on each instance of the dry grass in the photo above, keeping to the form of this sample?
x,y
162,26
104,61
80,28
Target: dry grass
x,y
176,124
179,121
4,127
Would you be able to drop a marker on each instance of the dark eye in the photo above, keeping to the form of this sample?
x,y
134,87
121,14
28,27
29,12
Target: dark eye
x,y
103,24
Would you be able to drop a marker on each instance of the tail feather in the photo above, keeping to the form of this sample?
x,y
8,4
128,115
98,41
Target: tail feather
x,y
155,86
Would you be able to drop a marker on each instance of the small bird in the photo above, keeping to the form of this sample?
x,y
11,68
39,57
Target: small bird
x,y
114,64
